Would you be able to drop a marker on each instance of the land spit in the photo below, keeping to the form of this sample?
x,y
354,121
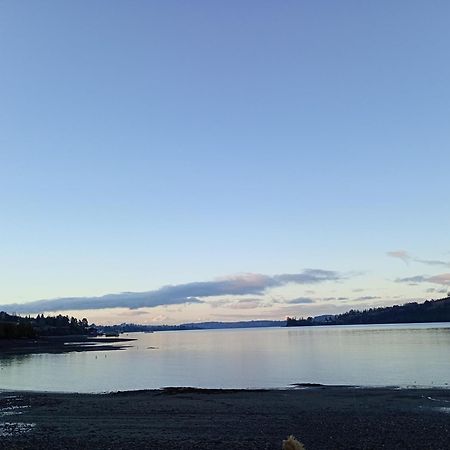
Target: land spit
x,y
323,418
60,344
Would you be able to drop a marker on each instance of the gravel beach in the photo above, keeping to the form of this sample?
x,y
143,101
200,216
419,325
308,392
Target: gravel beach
x,y
323,418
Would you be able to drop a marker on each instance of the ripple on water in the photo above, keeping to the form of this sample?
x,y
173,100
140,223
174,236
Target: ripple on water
x,y
444,409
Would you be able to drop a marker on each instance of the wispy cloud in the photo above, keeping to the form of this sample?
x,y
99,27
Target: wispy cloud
x,y
443,279
406,258
309,276
437,291
316,300
300,301
249,303
333,299
195,292
240,303
400,254
416,279
433,262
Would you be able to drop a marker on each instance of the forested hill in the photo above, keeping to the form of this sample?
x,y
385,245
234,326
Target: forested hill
x,y
429,311
13,327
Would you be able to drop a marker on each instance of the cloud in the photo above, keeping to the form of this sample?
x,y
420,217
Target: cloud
x,y
415,279
443,279
130,300
220,303
137,312
300,301
368,297
195,292
438,291
309,276
400,254
309,300
243,303
406,258
248,303
433,262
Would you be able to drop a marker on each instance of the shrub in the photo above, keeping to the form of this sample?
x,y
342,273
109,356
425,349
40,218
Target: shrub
x,y
292,444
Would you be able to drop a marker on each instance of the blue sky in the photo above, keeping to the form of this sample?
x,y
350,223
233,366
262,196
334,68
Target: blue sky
x,y
147,144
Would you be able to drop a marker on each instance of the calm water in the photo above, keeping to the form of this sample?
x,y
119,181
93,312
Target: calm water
x,y
404,355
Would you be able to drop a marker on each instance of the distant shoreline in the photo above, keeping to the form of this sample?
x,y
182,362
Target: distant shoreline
x,y
322,417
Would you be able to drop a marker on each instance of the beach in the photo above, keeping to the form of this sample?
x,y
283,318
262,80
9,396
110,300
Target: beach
x,y
322,417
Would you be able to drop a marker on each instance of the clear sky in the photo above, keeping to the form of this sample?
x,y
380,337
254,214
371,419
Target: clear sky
x,y
223,160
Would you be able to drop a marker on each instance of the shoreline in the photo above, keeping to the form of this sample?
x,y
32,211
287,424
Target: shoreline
x,y
198,390
60,344
322,417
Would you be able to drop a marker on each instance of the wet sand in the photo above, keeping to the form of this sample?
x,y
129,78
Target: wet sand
x,y
325,418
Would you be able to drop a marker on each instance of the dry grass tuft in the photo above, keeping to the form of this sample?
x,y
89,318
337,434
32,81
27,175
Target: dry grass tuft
x,y
292,444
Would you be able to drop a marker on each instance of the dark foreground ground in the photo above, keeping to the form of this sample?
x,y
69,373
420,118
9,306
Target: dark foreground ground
x,y
325,418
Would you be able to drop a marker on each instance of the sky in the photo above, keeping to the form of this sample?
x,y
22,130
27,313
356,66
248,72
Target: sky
x,y
169,162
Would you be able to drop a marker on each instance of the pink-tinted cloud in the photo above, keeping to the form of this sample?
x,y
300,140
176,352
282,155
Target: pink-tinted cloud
x,y
406,258
195,292
443,279
400,254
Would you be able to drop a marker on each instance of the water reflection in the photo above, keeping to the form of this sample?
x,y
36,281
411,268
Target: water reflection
x,y
6,360
417,354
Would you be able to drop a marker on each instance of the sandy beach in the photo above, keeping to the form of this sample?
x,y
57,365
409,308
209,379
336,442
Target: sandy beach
x,y
323,418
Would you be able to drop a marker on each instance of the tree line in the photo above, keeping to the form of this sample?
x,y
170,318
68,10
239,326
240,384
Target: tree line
x,y
14,327
413,312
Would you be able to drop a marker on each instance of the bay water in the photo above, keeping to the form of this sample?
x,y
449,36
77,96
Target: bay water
x,y
404,355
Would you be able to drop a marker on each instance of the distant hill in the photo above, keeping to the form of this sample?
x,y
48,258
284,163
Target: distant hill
x,y
429,311
241,324
132,327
